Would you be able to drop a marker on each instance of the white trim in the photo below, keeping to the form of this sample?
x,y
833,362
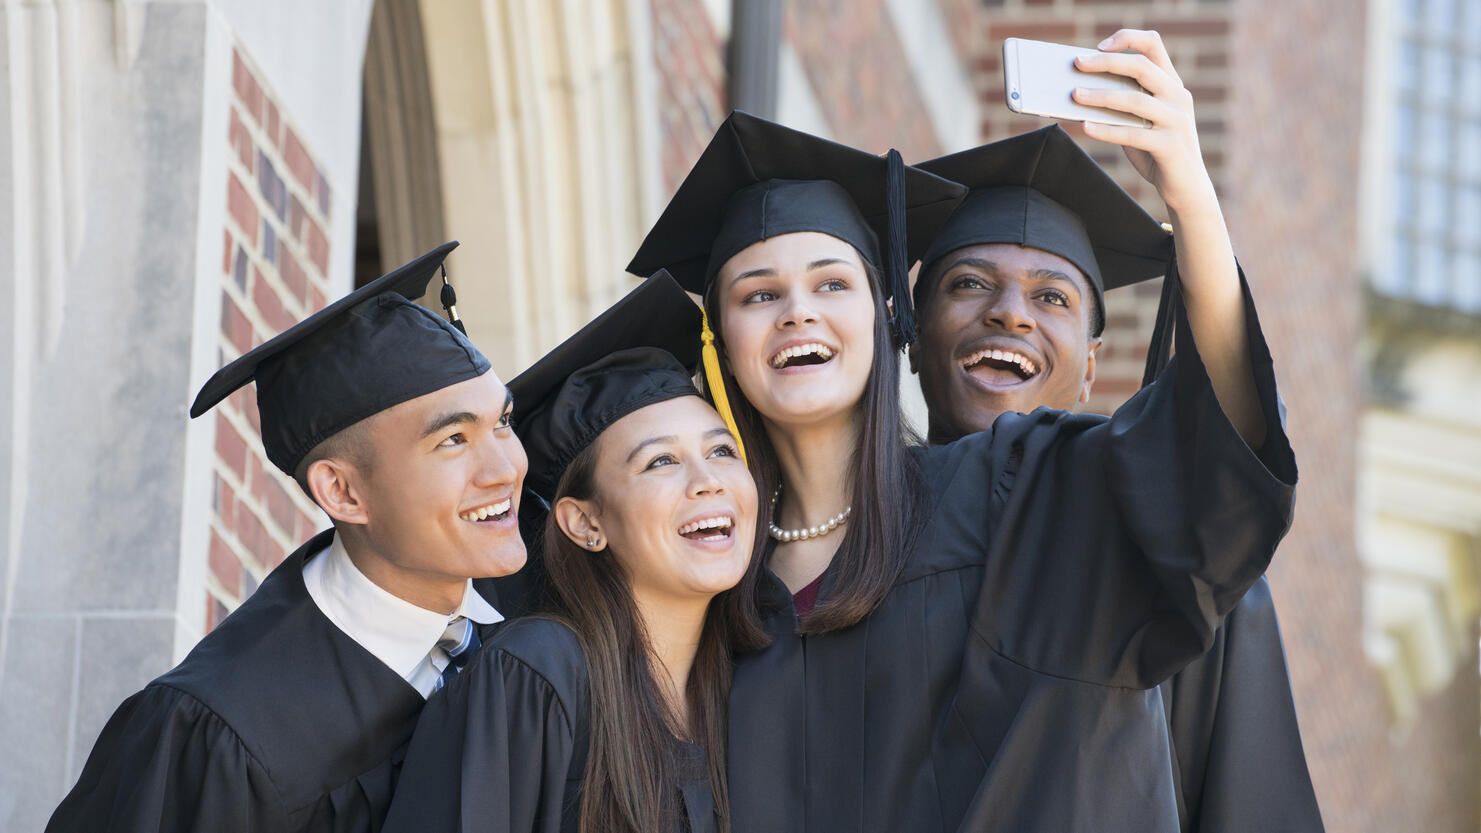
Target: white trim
x,y
942,80
200,434
797,105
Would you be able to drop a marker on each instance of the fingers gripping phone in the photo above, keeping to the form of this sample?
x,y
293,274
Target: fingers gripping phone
x,y
1038,78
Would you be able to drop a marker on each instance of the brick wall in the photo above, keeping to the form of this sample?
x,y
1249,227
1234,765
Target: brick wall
x,y
275,258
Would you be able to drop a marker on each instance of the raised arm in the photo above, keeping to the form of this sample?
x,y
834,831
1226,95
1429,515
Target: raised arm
x,y
1167,155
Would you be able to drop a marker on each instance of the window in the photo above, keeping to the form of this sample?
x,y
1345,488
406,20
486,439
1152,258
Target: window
x,y
1435,256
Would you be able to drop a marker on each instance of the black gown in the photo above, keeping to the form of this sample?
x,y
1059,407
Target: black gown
x,y
276,721
502,749
1236,744
1007,682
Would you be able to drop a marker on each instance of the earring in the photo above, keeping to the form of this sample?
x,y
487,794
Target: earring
x,y
591,543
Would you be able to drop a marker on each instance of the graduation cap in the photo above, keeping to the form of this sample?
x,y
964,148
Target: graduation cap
x,y
639,352
370,350
1040,189
758,179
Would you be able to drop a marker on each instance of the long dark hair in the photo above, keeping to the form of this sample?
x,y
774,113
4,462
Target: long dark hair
x,y
631,779
886,490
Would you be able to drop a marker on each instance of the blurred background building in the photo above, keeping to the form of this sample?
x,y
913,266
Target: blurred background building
x,y
184,179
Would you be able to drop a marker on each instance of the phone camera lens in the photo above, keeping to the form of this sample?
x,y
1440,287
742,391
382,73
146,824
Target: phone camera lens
x,y
1013,95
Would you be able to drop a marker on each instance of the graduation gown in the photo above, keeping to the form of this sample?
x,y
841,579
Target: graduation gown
x,y
1238,761
277,721
502,749
1007,682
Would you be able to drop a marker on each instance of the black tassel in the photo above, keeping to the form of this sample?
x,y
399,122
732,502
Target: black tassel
x,y
1159,351
897,264
450,303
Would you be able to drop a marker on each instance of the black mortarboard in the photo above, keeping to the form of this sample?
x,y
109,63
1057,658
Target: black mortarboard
x,y
1040,189
640,352
757,179
370,350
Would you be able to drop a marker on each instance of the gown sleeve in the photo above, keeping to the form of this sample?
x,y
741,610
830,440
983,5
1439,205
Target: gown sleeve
x,y
1235,734
165,762
502,748
1117,545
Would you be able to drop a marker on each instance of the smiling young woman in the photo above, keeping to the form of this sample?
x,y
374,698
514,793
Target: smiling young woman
x,y
608,711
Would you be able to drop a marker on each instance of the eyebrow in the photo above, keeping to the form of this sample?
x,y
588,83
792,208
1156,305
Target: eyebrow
x,y
451,418
1037,274
650,441
768,272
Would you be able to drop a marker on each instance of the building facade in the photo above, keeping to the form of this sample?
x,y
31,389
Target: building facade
x,y
186,179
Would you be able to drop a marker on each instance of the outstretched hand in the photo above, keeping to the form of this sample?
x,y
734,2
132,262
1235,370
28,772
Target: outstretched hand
x,y
1166,154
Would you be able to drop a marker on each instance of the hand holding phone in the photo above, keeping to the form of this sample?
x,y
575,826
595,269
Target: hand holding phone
x,y
1039,77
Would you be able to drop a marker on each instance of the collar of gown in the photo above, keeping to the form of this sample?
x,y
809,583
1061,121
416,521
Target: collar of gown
x,y
399,633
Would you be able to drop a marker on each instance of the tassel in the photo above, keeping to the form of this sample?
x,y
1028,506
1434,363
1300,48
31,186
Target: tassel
x,y
1159,350
450,303
715,382
897,263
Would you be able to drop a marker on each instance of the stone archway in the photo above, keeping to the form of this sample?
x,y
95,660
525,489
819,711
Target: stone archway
x,y
532,149
400,212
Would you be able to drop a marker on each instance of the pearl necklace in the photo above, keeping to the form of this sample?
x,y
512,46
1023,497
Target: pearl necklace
x,y
786,536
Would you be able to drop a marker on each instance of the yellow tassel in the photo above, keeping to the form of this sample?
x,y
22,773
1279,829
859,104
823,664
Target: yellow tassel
x,y
716,383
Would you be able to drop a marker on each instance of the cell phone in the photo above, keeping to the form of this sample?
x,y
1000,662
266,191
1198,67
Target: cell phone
x,y
1038,78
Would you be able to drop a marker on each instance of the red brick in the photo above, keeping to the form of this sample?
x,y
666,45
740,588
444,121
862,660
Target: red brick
x,y
273,125
231,449
292,273
254,536
316,299
226,502
307,526
296,217
255,476
1212,60
215,612
241,142
235,326
280,507
317,245
300,164
243,209
269,305
225,566
249,408
1189,28
1208,93
246,86
226,253
1058,32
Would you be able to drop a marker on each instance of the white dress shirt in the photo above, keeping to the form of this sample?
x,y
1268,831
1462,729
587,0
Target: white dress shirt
x,y
397,632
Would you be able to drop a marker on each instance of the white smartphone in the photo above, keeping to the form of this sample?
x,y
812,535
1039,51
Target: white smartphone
x,y
1038,78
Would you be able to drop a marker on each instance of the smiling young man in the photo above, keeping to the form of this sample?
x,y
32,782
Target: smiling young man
x,y
292,714
1010,305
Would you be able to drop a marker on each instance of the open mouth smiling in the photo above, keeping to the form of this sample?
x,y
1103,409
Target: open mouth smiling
x,y
713,528
802,355
1000,363
494,512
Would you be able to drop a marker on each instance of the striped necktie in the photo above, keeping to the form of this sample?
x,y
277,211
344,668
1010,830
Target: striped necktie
x,y
460,642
